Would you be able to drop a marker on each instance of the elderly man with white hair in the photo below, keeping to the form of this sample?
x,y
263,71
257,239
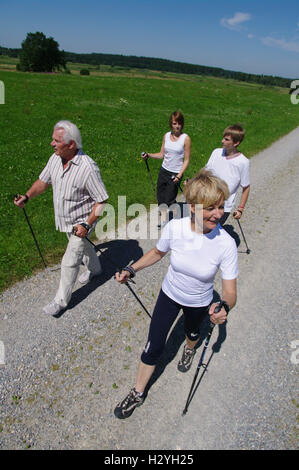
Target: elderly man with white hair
x,y
79,196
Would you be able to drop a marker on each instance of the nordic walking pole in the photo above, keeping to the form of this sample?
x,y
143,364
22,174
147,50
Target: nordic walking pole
x,y
34,238
178,184
119,270
149,172
248,250
26,216
200,364
137,298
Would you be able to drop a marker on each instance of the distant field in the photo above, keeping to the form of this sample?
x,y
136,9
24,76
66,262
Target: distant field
x,y
10,63
120,113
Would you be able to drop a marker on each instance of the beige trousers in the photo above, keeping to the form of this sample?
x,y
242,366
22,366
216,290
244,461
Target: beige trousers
x,y
78,250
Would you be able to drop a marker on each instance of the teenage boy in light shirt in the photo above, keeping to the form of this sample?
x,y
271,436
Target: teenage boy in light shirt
x,y
233,167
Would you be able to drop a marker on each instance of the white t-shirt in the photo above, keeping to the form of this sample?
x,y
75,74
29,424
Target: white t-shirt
x,y
234,171
174,153
194,261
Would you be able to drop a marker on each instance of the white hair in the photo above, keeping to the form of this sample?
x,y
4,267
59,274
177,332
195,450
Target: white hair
x,y
71,132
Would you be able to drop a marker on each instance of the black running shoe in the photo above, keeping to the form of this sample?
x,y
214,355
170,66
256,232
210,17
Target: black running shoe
x,y
187,358
126,407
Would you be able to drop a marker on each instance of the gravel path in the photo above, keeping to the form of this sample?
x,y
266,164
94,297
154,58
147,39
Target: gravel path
x,y
62,377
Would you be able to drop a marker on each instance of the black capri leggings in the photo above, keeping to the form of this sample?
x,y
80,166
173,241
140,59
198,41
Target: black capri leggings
x,y
165,312
167,190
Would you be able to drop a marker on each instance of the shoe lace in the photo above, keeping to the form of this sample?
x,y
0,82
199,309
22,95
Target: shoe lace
x,y
131,396
188,353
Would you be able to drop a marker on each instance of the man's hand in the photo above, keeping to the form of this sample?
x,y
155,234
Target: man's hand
x,y
237,214
80,231
20,200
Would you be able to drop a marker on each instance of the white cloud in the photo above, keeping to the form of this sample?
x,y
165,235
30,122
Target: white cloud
x,y
235,23
281,44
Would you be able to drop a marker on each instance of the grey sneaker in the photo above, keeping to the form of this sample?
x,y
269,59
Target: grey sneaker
x,y
186,360
87,276
126,407
52,308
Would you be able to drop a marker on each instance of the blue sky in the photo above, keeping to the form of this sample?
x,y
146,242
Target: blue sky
x,y
249,36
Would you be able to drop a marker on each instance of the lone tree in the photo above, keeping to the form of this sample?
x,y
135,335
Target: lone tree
x,y
40,54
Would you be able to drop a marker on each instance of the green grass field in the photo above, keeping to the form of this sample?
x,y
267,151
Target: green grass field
x,y
119,116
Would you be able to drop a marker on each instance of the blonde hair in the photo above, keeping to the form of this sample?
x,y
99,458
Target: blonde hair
x,y
206,189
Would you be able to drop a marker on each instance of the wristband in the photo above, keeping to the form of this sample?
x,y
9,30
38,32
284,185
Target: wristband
x,y
86,226
26,199
225,306
130,270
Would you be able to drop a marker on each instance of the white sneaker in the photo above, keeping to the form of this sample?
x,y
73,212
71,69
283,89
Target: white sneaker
x,y
52,308
87,276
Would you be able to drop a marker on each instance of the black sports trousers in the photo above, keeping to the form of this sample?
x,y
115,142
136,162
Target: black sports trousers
x,y
165,312
167,190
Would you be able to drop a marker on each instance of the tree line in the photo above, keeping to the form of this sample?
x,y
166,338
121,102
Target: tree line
x,y
166,65
41,54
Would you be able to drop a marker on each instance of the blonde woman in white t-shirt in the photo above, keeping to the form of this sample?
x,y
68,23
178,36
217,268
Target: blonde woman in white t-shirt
x,y
198,247
175,152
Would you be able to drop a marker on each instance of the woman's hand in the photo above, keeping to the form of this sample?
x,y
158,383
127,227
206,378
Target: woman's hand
x,y
177,179
217,318
122,277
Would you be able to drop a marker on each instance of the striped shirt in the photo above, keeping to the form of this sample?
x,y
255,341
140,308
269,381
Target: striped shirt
x,y
76,189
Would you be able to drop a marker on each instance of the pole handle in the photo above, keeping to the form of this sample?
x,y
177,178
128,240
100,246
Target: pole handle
x,y
217,309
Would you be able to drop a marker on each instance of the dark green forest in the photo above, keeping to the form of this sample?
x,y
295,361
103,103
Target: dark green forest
x,y
164,65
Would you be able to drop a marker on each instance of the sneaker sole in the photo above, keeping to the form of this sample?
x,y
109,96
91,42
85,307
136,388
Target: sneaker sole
x,y
54,314
183,369
118,412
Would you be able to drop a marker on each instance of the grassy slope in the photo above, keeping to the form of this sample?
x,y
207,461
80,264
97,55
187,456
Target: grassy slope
x,y
118,117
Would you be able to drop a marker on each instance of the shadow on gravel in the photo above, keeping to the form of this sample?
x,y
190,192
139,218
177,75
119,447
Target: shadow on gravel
x,y
231,231
115,254
175,340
